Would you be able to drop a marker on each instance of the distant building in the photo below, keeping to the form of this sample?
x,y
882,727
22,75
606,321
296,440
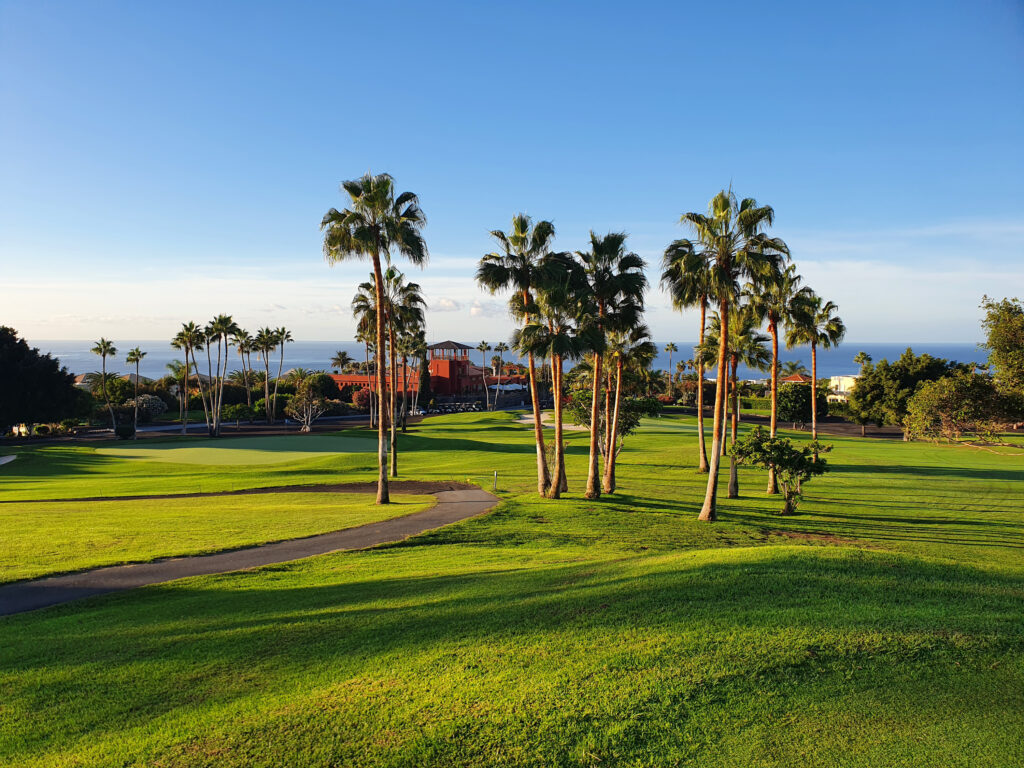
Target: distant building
x,y
452,374
796,378
841,387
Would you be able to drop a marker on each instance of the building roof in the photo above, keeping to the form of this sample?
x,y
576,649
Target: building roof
x,y
797,378
449,345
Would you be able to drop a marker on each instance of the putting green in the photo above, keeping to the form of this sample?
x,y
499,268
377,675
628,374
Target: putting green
x,y
241,450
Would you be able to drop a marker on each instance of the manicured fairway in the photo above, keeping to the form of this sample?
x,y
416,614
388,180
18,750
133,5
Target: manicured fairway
x,y
40,539
239,451
882,626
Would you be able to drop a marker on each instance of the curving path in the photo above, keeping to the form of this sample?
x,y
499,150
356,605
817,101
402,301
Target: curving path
x,y
451,507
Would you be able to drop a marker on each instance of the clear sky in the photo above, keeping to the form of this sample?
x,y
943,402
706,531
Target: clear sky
x,y
164,162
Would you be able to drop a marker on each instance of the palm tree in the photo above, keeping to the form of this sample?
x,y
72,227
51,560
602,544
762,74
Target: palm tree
x,y
501,348
746,346
135,358
519,267
378,223
179,373
106,349
774,301
243,342
687,278
483,348
552,334
731,239
630,347
186,340
404,311
816,323
266,341
671,348
793,368
341,361
615,285
281,336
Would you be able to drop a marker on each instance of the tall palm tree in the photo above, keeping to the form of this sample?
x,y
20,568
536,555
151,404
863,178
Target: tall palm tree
x,y
816,323
377,224
774,300
519,267
628,347
501,348
281,336
106,349
551,333
134,357
671,348
404,308
747,346
483,348
687,277
243,342
341,361
732,240
265,343
188,339
615,286
364,310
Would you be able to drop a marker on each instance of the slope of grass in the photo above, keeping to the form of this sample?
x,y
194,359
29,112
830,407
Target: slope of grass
x,y
41,539
880,627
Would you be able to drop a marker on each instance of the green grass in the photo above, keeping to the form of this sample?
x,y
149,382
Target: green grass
x,y
882,626
46,538
238,451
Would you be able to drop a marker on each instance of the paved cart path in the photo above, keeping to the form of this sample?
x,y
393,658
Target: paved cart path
x,y
451,507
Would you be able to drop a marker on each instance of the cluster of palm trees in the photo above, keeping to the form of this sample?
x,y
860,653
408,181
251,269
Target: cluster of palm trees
x,y
571,306
735,268
217,338
105,348
496,364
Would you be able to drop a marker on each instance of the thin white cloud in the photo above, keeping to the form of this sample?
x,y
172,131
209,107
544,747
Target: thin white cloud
x,y
445,304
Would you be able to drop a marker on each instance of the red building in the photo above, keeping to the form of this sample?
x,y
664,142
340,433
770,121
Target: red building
x,y
451,373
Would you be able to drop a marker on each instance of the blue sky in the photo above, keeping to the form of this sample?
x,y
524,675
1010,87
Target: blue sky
x,y
166,162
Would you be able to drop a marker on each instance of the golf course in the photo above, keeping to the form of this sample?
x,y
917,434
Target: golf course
x,y
881,625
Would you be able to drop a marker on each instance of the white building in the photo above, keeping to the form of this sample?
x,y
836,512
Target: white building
x,y
841,387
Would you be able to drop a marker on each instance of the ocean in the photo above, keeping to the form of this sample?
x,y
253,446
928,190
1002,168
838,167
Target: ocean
x,y
316,355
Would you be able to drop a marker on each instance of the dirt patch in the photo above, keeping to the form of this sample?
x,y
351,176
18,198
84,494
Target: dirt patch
x,y
411,487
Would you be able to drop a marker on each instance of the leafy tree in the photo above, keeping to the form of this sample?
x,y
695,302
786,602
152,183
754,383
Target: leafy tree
x,y
378,223
794,402
135,358
883,390
106,349
519,267
963,402
631,411
34,388
146,408
306,406
792,466
1004,340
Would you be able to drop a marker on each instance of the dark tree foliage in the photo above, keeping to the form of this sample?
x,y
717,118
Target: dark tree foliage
x,y
631,411
323,386
425,395
34,388
959,404
795,402
1004,340
883,391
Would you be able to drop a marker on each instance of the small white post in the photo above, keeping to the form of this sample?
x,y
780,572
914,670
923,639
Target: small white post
x,y
495,481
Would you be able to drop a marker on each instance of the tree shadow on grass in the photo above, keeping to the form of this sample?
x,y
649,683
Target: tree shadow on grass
x,y
293,618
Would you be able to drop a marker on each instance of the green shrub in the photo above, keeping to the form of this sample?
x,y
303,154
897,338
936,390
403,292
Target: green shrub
x,y
124,431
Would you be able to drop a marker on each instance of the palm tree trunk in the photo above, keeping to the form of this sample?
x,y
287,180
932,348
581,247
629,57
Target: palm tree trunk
x,y
701,446
213,385
708,511
405,393
773,329
369,384
266,385
497,392
383,497
483,374
184,407
135,428
280,367
557,473
593,491
734,486
543,477
814,391
613,430
607,417
394,398
202,395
